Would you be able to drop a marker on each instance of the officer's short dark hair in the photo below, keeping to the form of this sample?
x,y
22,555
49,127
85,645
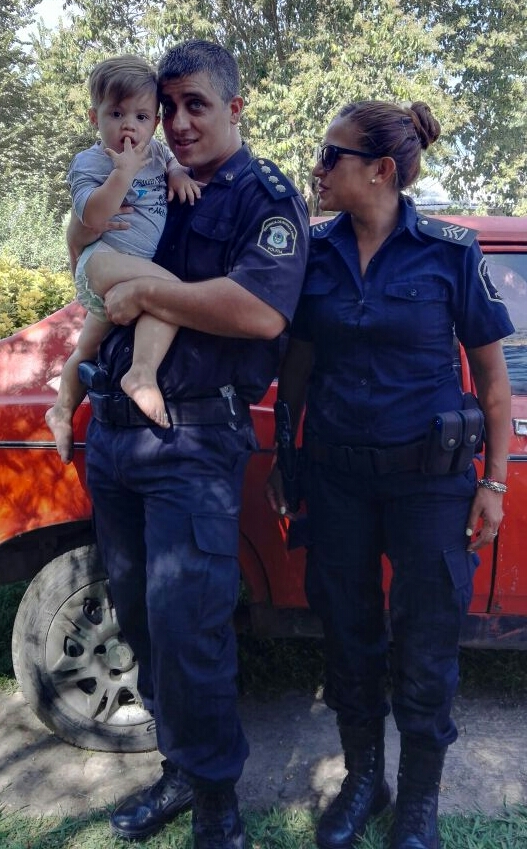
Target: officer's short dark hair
x,y
195,57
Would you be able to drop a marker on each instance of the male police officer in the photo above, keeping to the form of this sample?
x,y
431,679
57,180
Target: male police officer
x,y
166,502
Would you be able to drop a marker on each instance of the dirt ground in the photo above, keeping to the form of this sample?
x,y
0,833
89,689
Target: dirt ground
x,y
295,759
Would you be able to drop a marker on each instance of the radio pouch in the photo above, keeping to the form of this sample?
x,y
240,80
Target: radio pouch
x,y
444,438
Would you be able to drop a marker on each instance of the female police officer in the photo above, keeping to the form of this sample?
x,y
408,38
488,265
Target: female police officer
x,y
372,349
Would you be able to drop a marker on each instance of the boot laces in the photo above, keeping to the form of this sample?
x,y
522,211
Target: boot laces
x,y
170,780
416,816
355,788
216,819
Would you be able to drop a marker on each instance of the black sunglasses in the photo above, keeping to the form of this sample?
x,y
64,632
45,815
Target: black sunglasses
x,y
329,153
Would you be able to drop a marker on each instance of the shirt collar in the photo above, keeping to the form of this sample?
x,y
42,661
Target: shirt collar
x,y
408,217
328,227
227,173
333,227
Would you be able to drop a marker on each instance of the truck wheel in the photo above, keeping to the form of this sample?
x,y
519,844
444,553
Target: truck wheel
x,y
74,668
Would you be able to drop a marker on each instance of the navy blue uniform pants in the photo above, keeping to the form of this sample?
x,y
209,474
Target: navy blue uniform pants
x,y
166,506
419,521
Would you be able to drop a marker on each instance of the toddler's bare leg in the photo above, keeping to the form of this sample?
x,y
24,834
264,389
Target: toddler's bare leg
x,y
152,340
107,268
152,336
71,391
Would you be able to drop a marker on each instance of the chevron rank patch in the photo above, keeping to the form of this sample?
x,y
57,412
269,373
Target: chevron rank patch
x,y
490,289
278,237
438,229
320,227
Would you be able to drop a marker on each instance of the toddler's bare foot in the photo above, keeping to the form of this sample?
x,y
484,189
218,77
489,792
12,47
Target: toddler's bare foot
x,y
140,384
58,419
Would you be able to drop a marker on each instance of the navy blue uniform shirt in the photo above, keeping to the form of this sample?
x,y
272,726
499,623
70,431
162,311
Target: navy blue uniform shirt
x,y
384,342
251,224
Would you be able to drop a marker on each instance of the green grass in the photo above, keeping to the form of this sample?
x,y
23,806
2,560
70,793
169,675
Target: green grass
x,y
274,829
10,597
268,668
493,672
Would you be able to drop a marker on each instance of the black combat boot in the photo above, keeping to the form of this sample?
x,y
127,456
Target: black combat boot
x,y
216,822
146,812
364,791
420,769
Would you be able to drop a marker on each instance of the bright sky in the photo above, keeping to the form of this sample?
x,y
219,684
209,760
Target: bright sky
x,y
50,11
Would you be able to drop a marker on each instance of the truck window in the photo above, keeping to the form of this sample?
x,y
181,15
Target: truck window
x,y
509,273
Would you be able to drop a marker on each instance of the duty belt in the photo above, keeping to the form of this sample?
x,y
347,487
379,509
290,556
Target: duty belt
x,y
366,460
118,409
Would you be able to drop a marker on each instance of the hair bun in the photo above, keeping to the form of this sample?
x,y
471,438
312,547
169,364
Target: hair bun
x,y
427,127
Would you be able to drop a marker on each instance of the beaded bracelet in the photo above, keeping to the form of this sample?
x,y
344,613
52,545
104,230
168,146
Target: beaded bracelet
x,y
494,486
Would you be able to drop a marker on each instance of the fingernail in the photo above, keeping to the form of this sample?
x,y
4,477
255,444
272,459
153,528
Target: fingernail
x,y
283,511
469,532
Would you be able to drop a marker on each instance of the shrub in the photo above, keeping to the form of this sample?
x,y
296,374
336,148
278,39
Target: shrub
x,y
27,295
29,230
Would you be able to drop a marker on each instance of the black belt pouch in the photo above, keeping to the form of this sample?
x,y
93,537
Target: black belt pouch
x,y
471,440
444,438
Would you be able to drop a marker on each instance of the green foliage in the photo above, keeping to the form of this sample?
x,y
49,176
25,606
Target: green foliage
x,y
299,63
486,44
10,598
27,295
268,666
487,671
34,271
60,126
29,231
339,62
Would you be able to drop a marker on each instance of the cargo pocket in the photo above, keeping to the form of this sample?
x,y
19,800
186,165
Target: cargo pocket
x,y
216,537
461,566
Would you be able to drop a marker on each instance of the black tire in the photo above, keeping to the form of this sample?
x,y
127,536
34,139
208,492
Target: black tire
x,y
73,665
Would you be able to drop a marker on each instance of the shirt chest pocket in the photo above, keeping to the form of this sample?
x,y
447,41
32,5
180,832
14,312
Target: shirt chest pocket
x,y
424,291
210,227
208,246
418,305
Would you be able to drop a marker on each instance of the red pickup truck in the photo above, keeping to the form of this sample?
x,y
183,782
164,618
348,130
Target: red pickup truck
x,y
72,663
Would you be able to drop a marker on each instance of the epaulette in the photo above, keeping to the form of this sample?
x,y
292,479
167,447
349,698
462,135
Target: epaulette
x,y
447,232
272,178
319,228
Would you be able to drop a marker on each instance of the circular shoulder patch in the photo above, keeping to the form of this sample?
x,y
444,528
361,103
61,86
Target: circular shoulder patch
x,y
278,237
